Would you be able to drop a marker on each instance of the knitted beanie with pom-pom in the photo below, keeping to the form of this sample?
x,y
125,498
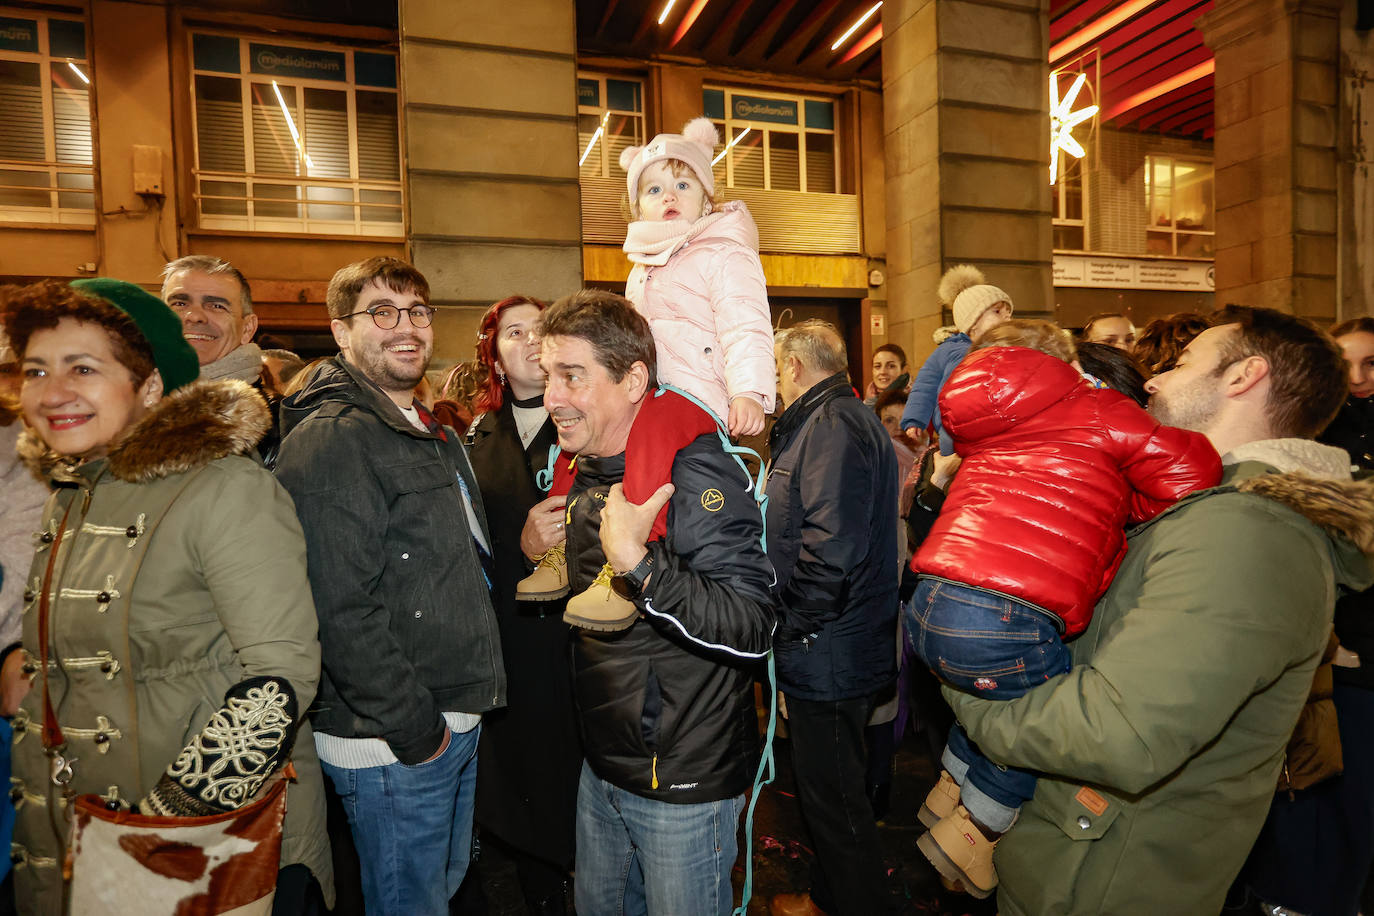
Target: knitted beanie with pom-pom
x,y
694,146
968,297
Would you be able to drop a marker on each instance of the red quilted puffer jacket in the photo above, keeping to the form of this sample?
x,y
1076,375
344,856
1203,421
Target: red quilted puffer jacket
x,y
1053,469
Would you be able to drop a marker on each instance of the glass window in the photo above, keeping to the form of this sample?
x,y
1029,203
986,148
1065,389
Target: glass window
x,y
47,168
776,142
296,138
1181,207
610,119
1067,192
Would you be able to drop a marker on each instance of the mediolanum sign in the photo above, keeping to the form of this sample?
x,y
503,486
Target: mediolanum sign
x,y
309,63
753,108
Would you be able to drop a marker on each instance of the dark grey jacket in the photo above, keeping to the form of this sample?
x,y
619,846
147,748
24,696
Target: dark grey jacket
x,y
832,537
407,629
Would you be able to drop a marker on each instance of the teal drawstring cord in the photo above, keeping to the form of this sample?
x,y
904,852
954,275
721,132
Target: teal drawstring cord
x,y
766,763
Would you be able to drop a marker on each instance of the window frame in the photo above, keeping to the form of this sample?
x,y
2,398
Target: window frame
x,y
54,214
1172,229
1072,171
728,124
303,223
602,149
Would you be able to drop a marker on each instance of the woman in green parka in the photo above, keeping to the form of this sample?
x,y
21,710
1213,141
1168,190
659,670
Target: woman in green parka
x,y
167,606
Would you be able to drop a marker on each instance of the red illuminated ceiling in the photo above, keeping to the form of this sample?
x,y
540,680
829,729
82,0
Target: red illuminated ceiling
x,y
1155,74
793,37
1154,71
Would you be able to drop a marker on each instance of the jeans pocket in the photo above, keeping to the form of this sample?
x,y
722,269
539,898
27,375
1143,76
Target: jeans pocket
x,y
448,749
995,681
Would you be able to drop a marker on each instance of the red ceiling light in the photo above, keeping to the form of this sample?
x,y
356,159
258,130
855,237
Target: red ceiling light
x,y
1191,75
1097,28
688,21
870,39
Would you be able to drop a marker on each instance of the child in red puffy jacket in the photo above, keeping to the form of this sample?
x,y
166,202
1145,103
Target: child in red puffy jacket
x,y
1028,539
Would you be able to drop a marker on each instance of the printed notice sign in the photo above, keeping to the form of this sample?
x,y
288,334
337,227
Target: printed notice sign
x,y
1133,273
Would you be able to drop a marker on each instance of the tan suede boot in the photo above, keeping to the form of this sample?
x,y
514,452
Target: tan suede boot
x,y
941,801
549,581
960,852
600,608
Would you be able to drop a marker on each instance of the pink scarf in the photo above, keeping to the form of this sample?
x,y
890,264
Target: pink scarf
x,y
652,242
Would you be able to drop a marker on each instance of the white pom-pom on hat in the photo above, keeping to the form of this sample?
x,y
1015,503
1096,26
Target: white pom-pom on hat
x,y
702,132
694,146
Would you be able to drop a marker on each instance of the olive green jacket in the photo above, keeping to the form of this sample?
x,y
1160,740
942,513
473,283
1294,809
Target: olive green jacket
x,y
1164,742
181,572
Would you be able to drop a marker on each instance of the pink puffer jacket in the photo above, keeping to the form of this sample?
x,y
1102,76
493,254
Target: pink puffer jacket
x,y
708,309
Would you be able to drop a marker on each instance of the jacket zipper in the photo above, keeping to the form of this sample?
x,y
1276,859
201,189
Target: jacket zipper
x,y
472,549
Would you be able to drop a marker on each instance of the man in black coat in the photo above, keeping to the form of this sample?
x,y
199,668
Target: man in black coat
x,y
665,701
397,548
832,525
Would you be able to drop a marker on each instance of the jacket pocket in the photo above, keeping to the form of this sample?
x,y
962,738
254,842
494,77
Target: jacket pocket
x,y
651,714
418,478
1080,812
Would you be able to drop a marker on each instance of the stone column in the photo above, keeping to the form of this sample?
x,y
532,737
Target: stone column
x,y
1275,149
491,155
966,118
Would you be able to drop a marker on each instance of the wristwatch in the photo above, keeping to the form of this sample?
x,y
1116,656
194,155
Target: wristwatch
x,y
634,578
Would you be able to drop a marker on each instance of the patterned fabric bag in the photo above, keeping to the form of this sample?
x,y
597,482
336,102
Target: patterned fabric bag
x,y
126,862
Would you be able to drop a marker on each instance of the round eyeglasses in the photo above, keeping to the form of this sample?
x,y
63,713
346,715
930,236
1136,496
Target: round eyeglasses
x,y
387,317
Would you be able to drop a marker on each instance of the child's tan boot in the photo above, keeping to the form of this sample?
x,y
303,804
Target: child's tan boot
x,y
549,581
600,608
960,852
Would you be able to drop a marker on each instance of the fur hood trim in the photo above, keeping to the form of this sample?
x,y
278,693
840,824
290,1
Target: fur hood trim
x,y
1301,455
186,430
1342,508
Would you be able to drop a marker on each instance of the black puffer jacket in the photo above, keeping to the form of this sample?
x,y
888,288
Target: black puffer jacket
x,y
407,630
667,706
832,536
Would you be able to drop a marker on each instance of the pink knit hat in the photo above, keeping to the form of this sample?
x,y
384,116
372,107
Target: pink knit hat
x,y
694,146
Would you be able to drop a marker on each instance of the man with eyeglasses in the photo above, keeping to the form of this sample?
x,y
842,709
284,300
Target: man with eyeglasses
x,y
398,550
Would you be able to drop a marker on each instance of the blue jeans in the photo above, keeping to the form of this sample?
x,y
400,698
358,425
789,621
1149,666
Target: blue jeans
x,y
412,826
991,647
637,855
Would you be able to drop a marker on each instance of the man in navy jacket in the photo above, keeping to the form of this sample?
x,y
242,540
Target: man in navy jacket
x,y
832,528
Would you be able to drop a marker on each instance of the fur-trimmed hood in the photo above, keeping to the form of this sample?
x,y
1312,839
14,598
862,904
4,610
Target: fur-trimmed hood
x,y
187,429
1314,481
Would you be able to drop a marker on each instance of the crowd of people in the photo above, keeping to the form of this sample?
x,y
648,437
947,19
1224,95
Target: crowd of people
x,y
534,600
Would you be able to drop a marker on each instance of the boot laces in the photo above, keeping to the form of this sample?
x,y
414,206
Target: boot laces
x,y
604,577
555,556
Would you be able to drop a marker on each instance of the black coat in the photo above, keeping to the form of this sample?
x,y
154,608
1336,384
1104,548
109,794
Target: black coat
x,y
667,706
832,537
1353,430
530,755
406,624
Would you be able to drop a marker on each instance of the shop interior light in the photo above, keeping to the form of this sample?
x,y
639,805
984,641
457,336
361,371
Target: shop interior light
x,y
77,70
855,27
291,126
1063,119
667,8
738,138
592,142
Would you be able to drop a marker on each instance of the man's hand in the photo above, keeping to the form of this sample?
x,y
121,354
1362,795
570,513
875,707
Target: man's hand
x,y
443,746
543,527
14,683
625,527
746,416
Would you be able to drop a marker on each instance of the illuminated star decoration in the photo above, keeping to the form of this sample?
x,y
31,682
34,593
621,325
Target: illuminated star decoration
x,y
1063,119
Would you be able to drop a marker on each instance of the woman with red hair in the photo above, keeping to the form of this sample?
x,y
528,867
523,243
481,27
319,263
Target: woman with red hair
x,y
529,755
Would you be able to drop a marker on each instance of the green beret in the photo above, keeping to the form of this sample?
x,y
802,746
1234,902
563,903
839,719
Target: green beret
x,y
173,356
